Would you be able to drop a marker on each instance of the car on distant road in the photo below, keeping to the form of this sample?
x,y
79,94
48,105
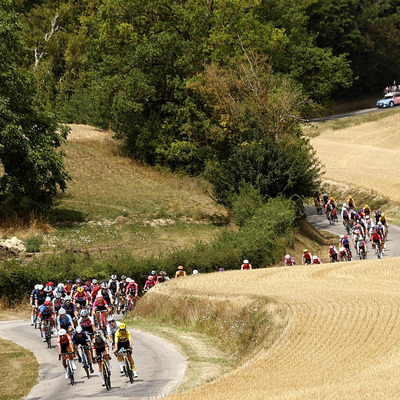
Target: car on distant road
x,y
390,100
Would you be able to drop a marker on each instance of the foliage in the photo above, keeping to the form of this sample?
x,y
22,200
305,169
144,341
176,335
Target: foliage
x,y
263,239
29,137
33,244
289,167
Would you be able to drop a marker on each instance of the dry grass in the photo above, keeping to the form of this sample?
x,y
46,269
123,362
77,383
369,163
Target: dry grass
x,y
18,371
364,154
340,342
22,311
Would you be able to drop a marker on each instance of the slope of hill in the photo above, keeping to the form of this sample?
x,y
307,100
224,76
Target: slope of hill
x,y
362,151
339,339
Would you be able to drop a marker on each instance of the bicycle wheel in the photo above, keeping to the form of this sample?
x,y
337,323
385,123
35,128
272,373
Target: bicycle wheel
x,y
85,363
70,372
48,336
128,369
106,375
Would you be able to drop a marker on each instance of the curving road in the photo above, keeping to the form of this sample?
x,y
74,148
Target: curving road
x,y
321,222
159,365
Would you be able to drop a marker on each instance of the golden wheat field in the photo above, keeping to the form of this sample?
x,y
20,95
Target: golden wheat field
x,y
341,340
366,155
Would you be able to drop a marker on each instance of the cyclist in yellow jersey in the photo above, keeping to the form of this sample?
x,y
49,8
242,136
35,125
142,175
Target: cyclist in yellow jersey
x,y
123,340
180,272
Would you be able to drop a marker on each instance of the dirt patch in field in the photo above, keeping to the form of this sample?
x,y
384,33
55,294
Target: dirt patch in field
x,y
85,132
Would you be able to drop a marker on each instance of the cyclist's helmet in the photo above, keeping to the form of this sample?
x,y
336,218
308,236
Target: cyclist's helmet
x,y
351,198
180,267
48,303
366,206
61,311
99,297
58,295
60,286
344,204
341,236
62,332
50,284
78,280
41,287
287,256
379,223
153,273
122,327
382,215
48,298
341,248
331,246
123,277
221,269
345,236
245,261
360,239
67,298
128,280
305,250
79,330
80,289
98,336
331,198
95,281
37,286
69,281
132,281
195,272
87,283
104,285
84,313
314,257
163,273
150,278
113,277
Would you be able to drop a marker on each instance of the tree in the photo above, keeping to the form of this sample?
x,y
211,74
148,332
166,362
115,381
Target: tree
x,y
29,137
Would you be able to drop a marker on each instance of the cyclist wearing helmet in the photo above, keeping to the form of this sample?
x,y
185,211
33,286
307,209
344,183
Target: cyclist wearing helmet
x,y
95,288
325,199
32,302
81,298
64,320
306,258
113,285
46,313
289,261
68,287
316,260
361,247
78,283
154,275
79,337
65,350
48,289
246,265
343,254
333,253
162,277
123,340
367,210
112,327
351,203
70,308
40,296
132,291
106,293
86,323
99,347
100,306
149,283
57,302
180,272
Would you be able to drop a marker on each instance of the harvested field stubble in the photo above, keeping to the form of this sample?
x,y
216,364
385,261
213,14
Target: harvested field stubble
x,y
365,155
341,340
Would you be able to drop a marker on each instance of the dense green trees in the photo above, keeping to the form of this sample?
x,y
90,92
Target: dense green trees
x,y
32,169
190,84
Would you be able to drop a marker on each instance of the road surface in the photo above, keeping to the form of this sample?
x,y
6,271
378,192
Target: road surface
x,y
159,365
321,222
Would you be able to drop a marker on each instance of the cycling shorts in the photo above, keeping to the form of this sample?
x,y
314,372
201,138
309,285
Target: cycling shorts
x,y
307,260
45,317
64,347
99,351
81,303
376,241
88,329
65,326
123,345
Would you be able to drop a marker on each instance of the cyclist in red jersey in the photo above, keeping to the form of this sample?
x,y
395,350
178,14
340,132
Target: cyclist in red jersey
x,y
64,343
246,265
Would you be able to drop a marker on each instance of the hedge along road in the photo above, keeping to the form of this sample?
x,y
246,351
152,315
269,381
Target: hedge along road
x,y
321,222
159,365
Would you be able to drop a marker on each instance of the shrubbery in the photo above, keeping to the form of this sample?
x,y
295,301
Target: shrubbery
x,y
263,239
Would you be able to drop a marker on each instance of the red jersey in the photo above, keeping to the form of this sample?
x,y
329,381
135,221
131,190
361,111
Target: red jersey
x,y
246,266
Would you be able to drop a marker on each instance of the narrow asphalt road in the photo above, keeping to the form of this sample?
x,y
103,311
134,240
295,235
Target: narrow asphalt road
x,y
321,222
159,365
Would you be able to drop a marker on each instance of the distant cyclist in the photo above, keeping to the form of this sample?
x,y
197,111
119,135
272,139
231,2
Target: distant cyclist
x,y
246,265
306,258
316,260
180,272
289,261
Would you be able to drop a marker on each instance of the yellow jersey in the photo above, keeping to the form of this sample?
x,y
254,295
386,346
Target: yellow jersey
x,y
122,337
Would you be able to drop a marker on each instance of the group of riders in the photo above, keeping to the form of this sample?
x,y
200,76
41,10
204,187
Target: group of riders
x,y
361,225
82,314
